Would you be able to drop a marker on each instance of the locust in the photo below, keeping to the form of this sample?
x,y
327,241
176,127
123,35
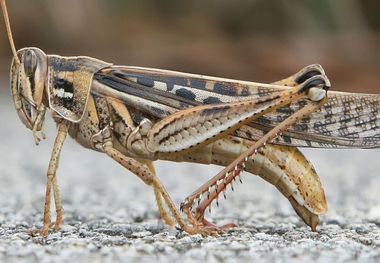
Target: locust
x,y
138,115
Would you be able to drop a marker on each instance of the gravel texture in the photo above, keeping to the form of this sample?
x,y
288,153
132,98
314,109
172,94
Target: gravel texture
x,y
111,216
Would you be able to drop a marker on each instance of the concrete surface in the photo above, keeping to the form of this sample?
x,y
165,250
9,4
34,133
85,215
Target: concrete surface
x,y
111,216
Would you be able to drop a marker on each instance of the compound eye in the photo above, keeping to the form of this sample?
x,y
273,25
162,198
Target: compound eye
x,y
30,63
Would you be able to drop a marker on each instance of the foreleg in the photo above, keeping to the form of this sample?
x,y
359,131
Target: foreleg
x,y
52,183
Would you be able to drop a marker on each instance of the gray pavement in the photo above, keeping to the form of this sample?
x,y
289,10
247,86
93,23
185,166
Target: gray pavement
x,y
111,216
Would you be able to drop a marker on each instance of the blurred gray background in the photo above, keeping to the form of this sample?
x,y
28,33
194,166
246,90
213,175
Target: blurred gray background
x,y
245,39
109,213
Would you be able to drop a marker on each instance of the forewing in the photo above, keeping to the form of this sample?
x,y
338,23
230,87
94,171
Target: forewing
x,y
347,120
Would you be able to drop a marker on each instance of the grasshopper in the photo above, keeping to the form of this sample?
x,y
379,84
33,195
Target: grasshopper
x,y
138,115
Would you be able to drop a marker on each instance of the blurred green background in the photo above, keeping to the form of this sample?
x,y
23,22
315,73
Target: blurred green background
x,y
258,40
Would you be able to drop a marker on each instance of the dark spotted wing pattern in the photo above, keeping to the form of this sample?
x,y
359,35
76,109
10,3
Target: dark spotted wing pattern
x,y
347,120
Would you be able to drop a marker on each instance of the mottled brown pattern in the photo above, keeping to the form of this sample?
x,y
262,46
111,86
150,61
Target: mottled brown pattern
x,y
77,72
346,120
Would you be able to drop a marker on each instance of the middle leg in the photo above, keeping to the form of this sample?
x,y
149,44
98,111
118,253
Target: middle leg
x,y
144,171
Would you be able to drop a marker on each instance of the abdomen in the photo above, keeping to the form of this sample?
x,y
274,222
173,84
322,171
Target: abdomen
x,y
284,167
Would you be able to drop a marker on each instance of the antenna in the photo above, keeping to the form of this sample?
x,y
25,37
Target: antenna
x,y
9,31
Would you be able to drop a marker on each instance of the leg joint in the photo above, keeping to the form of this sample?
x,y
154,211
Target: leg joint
x,y
102,139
